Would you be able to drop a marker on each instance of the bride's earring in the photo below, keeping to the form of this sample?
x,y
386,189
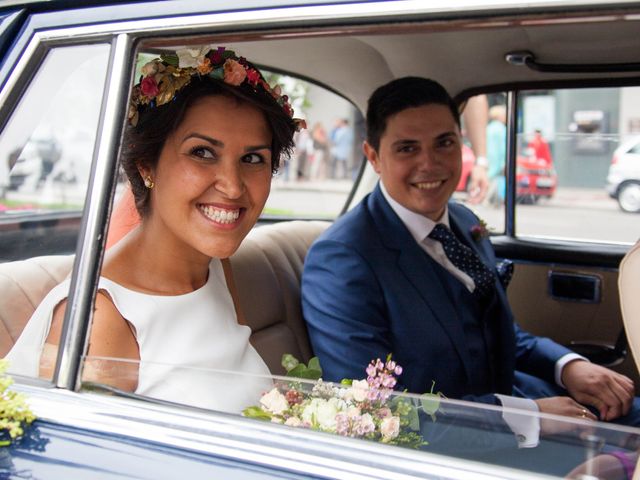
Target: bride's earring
x,y
148,182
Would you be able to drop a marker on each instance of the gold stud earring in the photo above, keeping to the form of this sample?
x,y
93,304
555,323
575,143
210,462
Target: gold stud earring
x,y
148,182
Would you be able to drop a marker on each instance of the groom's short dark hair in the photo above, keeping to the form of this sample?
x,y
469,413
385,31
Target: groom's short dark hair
x,y
400,94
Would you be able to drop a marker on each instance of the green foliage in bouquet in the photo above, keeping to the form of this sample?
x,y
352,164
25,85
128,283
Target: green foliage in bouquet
x,y
296,369
354,408
14,411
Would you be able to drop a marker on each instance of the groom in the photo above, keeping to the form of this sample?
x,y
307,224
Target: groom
x,y
409,272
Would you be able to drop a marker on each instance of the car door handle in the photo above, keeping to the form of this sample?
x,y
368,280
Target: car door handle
x,y
574,287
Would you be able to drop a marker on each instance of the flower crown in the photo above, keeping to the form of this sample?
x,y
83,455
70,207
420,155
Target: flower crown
x,y
163,77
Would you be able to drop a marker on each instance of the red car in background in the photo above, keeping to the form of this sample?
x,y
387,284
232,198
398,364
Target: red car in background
x,y
535,176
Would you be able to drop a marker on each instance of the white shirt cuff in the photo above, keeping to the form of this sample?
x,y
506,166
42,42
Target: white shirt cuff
x,y
525,426
560,364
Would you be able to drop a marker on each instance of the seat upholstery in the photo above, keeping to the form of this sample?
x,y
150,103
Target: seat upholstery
x,y
23,285
628,282
267,269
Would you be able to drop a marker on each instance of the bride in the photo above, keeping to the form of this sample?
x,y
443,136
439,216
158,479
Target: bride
x,y
206,132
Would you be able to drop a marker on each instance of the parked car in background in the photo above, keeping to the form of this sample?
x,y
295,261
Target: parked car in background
x,y
623,181
535,177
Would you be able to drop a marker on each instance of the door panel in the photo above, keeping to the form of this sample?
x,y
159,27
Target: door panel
x,y
578,325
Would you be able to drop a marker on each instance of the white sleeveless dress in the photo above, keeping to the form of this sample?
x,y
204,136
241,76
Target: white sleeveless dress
x,y
192,349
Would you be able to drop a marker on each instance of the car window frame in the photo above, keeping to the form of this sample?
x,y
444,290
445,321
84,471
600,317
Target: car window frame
x,y
510,242
123,36
91,244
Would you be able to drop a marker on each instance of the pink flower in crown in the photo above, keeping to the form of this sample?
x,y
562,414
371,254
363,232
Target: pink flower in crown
x,y
234,73
149,87
253,77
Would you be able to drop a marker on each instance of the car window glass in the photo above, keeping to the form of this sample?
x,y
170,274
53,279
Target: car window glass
x,y
427,423
48,145
588,139
484,122
316,180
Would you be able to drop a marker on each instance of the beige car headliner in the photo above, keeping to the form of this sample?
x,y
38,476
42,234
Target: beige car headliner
x,y
462,51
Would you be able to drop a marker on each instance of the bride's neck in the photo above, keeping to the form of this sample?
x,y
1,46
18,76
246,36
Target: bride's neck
x,y
141,262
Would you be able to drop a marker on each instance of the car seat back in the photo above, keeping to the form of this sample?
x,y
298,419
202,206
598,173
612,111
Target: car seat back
x,y
267,270
628,281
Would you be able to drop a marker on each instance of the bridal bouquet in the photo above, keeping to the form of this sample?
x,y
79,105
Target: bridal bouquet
x,y
354,408
14,411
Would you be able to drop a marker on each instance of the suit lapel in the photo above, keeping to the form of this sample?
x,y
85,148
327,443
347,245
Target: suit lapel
x,y
419,270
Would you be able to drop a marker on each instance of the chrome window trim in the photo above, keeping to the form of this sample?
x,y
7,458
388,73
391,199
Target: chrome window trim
x,y
298,16
247,440
100,191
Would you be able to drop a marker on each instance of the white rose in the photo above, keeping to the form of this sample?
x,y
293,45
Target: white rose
x,y
274,402
359,389
191,57
323,413
390,428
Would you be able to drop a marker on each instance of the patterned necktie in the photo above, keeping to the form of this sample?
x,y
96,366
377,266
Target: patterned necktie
x,y
465,259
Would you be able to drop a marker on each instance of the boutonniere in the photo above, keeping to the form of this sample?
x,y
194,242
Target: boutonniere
x,y
479,231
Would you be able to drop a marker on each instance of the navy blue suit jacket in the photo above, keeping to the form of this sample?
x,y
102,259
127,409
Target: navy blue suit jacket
x,y
368,290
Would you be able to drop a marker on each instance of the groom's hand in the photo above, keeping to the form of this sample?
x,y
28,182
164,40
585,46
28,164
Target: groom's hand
x,y
611,393
565,406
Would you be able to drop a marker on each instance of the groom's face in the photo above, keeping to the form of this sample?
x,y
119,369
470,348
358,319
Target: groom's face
x,y
420,158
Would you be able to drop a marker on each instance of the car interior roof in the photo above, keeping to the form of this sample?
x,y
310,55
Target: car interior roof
x,y
460,54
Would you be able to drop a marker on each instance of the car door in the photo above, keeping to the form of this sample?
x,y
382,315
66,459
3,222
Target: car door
x,y
565,234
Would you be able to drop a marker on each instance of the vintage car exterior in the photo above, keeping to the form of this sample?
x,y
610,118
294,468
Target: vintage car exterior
x,y
91,431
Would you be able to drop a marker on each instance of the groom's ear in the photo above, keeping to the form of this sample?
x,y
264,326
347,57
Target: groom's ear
x,y
372,156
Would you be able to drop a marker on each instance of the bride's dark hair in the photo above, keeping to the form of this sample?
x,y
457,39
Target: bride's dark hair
x,y
144,141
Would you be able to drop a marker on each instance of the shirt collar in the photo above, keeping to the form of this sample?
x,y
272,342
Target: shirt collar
x,y
418,225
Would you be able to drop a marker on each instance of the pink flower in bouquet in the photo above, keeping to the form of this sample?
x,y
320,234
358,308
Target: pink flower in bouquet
x,y
390,428
354,408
